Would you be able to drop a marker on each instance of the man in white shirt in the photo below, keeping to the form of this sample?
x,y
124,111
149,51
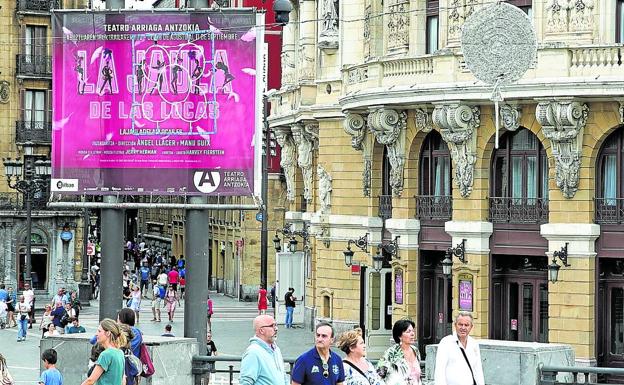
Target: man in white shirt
x,y
29,299
458,360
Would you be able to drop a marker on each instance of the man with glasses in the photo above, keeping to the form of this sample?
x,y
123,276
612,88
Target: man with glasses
x,y
262,362
319,365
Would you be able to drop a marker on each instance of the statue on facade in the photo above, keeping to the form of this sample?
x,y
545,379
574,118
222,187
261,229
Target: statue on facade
x,y
325,189
288,160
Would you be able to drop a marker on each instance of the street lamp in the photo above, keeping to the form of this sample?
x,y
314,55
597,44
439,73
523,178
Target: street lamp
x,y
391,247
32,181
459,251
288,232
553,268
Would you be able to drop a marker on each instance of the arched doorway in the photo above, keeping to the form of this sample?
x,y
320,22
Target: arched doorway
x,y
40,257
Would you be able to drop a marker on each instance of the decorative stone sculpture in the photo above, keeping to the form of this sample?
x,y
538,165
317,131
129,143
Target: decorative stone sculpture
x,y
355,125
621,109
556,16
581,15
422,120
288,159
305,137
458,123
328,37
398,26
510,116
389,126
563,123
325,189
5,91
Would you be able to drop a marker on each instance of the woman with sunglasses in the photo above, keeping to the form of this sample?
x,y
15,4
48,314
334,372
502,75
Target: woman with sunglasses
x,y
358,370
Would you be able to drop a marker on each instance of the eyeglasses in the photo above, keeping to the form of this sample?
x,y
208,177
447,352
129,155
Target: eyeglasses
x,y
325,370
269,326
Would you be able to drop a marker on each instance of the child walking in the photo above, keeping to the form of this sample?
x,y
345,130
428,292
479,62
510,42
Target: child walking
x,y
50,376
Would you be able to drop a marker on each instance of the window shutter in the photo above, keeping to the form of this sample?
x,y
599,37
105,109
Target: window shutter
x,y
48,107
22,98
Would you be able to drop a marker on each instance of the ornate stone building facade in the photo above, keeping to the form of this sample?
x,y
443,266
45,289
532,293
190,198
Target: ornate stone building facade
x,y
407,136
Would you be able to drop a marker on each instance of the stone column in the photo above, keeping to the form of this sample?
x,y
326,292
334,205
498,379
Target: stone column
x,y
477,236
289,34
306,53
571,300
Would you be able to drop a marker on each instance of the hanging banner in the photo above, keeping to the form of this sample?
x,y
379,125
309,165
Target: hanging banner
x,y
157,102
465,292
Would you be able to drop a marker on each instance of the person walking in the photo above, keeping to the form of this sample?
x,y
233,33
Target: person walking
x,y
11,301
145,273
210,312
135,301
173,277
262,363
400,364
171,299
23,318
262,300
319,365
109,367
156,301
458,359
358,370
29,297
289,301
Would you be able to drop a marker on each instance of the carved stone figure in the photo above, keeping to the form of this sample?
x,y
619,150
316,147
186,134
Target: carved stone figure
x,y
563,123
556,16
329,17
458,123
288,160
325,188
305,137
398,25
581,15
361,140
389,126
422,120
455,19
510,115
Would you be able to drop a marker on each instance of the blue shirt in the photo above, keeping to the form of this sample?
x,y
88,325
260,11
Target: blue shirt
x,y
145,272
308,369
51,377
4,295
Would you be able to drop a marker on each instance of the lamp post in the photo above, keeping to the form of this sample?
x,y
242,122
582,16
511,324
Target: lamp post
x,y
32,181
553,268
390,247
84,288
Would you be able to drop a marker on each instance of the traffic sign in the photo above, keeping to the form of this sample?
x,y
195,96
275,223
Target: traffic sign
x,y
90,249
259,216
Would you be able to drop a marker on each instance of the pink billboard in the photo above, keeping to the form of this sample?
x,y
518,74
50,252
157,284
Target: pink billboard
x,y
156,102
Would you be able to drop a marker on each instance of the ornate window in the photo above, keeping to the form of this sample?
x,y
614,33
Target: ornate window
x,y
434,201
385,199
519,183
36,111
433,11
610,189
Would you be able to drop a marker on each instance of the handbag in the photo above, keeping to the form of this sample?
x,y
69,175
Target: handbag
x,y
6,377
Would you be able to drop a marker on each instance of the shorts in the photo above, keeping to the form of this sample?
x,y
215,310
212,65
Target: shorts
x,y
156,302
175,286
10,307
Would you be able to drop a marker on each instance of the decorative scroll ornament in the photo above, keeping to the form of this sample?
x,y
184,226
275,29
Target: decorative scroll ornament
x,y
510,116
305,137
5,91
389,126
422,120
563,123
325,188
288,159
361,140
458,123
499,45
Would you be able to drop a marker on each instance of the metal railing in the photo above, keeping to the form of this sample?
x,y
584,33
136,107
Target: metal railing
x,y
434,207
34,65
36,132
385,206
14,200
577,375
38,5
518,210
609,211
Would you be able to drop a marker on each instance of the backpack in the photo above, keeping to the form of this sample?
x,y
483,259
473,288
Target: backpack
x,y
146,360
131,368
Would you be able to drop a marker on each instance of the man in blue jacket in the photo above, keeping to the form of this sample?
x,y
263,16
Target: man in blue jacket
x,y
262,362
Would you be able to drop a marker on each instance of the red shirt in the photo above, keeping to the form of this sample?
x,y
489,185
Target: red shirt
x,y
173,276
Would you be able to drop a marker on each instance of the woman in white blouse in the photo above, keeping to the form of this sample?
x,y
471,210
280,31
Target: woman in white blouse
x,y
358,370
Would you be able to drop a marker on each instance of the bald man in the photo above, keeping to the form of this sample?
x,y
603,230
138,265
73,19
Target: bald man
x,y
262,362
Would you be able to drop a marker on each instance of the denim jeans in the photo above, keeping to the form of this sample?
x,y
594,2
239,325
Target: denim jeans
x,y
22,327
289,316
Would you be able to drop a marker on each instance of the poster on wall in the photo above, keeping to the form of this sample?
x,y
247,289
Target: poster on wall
x,y
164,102
465,292
398,286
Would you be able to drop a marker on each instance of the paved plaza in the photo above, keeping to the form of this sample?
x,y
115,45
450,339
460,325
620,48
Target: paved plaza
x,y
231,328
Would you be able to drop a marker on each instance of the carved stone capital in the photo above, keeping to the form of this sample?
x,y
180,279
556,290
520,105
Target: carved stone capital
x,y
305,137
510,115
458,123
422,120
563,123
288,159
356,126
389,126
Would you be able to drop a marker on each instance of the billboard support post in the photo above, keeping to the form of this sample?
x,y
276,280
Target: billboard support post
x,y
112,260
265,198
196,251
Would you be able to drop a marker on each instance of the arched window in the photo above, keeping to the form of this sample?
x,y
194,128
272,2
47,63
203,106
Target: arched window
x,y
519,183
434,199
610,182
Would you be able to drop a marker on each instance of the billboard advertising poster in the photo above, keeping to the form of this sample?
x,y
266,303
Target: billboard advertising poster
x,y
157,102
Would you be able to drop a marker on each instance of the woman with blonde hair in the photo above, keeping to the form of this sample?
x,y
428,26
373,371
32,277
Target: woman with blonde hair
x,y
109,367
358,370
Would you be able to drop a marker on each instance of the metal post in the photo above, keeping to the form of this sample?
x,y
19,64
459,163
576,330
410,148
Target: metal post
x,y
28,257
84,288
265,196
196,252
197,3
112,260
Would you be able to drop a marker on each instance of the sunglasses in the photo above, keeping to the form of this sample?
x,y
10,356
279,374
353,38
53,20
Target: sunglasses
x,y
269,326
325,370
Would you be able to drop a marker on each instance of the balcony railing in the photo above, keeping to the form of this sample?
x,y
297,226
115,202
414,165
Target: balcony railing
x,y
38,5
36,132
434,207
34,65
518,210
385,206
609,211
14,200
